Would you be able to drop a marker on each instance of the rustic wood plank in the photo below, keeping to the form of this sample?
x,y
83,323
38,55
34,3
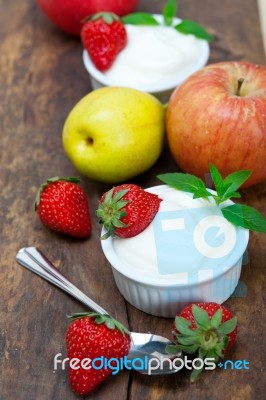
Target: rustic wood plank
x,y
41,78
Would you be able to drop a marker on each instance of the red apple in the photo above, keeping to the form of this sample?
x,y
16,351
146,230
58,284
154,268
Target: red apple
x,y
218,115
68,14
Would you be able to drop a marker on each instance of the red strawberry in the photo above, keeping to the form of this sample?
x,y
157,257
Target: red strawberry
x,y
103,36
208,329
126,210
92,336
62,206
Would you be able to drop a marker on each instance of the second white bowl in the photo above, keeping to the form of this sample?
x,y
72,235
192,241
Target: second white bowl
x,y
159,89
161,290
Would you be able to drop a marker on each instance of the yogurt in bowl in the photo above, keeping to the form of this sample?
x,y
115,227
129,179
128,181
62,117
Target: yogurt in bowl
x,y
189,253
156,59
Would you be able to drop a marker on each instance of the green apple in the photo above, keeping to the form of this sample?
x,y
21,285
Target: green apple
x,y
114,133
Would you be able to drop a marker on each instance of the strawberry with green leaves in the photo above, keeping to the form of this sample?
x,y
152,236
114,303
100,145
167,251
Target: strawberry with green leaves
x,y
62,206
103,36
207,330
90,336
126,210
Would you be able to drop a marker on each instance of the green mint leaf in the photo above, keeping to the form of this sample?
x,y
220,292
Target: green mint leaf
x,y
236,179
139,18
229,195
169,12
188,26
233,182
227,327
201,317
185,182
202,193
245,216
217,180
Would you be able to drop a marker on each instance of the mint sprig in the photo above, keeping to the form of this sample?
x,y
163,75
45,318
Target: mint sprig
x,y
238,214
186,26
169,12
140,18
245,216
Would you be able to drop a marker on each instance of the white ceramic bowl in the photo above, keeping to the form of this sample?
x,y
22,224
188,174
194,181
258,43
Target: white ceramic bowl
x,y
161,91
162,293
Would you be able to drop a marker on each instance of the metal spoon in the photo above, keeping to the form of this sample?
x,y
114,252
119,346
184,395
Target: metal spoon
x,y
145,346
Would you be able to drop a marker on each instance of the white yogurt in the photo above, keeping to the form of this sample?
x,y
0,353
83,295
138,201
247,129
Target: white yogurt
x,y
188,240
154,55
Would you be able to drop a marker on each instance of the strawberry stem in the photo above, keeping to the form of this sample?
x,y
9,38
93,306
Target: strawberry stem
x,y
106,319
111,211
208,339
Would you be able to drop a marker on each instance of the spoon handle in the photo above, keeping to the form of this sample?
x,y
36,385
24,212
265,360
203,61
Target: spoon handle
x,y
34,260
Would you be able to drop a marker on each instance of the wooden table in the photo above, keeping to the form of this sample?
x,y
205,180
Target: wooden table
x,y
42,77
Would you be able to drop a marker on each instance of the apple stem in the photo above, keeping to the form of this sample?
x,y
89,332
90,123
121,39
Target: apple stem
x,y
239,85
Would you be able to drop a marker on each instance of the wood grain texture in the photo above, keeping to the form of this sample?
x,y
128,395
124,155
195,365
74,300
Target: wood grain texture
x,y
41,79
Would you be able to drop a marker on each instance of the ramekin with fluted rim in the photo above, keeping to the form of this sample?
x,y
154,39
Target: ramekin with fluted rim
x,y
204,249
160,90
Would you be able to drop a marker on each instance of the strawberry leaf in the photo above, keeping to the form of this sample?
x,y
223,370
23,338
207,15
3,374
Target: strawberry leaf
x,y
224,342
216,319
119,195
218,351
201,317
245,216
182,324
117,223
202,353
227,327
190,349
171,349
194,374
188,340
109,196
